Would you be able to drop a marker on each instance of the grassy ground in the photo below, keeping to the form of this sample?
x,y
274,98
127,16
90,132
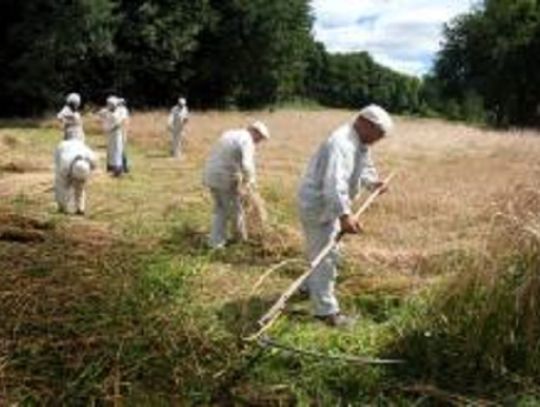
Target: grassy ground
x,y
127,306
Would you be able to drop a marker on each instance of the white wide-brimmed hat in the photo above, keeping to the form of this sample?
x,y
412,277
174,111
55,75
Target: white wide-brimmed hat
x,y
112,101
73,98
378,116
261,128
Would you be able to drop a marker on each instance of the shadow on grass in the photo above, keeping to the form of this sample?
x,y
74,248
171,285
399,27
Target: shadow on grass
x,y
187,239
240,317
437,371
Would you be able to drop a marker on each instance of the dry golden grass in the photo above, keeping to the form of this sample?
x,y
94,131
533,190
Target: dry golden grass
x,y
450,177
445,199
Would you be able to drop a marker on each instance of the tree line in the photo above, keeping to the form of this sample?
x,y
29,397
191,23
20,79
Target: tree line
x,y
489,67
219,53
255,53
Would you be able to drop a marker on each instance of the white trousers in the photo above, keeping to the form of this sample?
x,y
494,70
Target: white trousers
x,y
115,150
69,193
176,142
227,208
321,283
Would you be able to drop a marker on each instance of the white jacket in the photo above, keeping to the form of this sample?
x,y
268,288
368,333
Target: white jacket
x,y
231,156
334,176
124,115
112,125
72,122
66,153
177,118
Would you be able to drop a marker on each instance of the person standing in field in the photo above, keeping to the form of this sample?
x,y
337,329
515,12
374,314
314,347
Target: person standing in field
x,y
124,114
71,119
112,118
74,163
229,169
334,175
178,119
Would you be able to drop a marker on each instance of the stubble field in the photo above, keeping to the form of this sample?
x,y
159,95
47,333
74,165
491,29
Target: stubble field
x,y
128,306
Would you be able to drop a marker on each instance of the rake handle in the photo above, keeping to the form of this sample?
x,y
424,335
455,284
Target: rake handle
x,y
268,319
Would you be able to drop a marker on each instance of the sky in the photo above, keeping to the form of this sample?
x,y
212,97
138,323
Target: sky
x,y
401,34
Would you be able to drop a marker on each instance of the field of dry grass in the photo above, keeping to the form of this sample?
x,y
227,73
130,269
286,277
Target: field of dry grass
x,y
453,182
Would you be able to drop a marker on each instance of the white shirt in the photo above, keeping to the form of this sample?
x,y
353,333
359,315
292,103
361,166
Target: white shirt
x,y
72,122
123,112
112,121
335,173
177,118
233,154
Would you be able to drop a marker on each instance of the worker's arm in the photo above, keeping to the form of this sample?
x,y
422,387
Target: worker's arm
x,y
247,164
336,190
60,116
114,120
185,116
369,177
348,224
171,119
66,115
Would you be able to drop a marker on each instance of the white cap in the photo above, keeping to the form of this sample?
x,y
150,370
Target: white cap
x,y
112,101
378,116
73,98
261,128
182,101
81,170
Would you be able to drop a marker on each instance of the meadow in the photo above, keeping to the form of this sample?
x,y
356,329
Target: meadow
x,y
127,306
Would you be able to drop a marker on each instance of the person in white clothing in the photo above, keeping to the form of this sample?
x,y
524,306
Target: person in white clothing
x,y
230,166
71,119
124,114
177,121
112,119
335,173
74,163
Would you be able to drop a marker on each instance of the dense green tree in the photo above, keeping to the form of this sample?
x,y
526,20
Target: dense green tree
x,y
48,47
490,57
220,53
156,42
355,79
253,52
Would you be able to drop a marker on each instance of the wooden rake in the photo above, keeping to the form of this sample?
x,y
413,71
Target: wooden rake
x,y
268,319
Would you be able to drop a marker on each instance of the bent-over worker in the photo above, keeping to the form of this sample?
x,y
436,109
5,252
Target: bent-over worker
x,y
231,167
334,175
74,162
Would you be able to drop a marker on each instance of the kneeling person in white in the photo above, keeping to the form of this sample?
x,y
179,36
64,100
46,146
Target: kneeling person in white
x,y
231,164
335,173
74,162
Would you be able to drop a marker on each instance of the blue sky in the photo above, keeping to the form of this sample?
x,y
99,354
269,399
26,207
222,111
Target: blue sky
x,y
401,34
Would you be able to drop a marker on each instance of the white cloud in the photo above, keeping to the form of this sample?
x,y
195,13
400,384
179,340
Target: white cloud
x,y
402,34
